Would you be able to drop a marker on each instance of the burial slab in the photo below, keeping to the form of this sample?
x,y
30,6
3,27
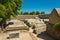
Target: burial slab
x,y
17,25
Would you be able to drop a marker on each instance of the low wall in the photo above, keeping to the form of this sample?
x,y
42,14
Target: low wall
x,y
22,17
52,32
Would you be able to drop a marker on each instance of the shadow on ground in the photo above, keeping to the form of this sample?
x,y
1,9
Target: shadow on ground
x,y
44,36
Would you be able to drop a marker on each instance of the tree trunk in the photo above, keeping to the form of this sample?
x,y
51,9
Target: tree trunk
x,y
3,24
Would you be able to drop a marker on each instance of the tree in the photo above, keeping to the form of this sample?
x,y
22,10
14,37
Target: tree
x,y
25,13
37,12
42,12
8,8
32,13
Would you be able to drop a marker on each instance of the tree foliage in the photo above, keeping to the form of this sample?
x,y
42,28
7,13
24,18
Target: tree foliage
x,y
25,13
37,12
9,8
32,13
42,12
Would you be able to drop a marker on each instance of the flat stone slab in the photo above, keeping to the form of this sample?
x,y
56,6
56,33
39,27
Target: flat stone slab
x,y
17,24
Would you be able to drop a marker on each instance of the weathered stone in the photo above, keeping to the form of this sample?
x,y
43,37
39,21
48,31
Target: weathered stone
x,y
17,25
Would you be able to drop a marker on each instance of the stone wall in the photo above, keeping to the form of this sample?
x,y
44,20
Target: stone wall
x,y
44,16
22,17
50,30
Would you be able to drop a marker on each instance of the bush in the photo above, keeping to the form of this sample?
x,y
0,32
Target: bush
x,y
57,26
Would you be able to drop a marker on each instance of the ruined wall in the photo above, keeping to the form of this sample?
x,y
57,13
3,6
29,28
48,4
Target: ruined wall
x,y
44,16
50,30
22,17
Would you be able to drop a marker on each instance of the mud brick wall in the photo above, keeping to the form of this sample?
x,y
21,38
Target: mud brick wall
x,y
50,30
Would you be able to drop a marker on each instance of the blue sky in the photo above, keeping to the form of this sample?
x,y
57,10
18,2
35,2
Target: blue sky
x,y
40,5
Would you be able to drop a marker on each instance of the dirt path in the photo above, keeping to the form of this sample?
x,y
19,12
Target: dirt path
x,y
42,36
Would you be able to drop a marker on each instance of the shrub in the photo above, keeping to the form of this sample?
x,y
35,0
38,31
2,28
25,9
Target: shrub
x,y
57,26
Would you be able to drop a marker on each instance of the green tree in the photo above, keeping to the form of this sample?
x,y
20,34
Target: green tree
x,y
25,13
42,12
33,13
37,12
8,8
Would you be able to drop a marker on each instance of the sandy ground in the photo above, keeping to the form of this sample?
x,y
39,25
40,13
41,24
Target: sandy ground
x,y
42,36
22,36
25,35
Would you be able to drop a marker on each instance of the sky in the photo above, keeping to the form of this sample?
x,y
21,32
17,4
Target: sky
x,y
40,5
